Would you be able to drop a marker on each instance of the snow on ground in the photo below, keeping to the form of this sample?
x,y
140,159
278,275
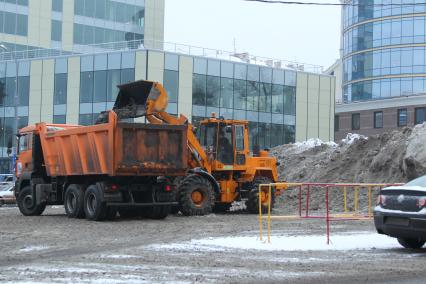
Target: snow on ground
x,y
357,241
33,248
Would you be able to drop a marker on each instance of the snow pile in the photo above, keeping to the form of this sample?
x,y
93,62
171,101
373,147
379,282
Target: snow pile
x,y
358,241
393,157
352,137
311,143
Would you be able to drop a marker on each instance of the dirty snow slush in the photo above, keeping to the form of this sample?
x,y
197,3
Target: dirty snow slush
x,y
213,248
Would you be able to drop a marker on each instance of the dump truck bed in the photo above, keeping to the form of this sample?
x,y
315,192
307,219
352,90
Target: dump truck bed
x,y
115,149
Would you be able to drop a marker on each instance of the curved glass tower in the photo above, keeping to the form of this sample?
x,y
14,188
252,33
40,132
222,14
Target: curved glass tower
x,y
384,49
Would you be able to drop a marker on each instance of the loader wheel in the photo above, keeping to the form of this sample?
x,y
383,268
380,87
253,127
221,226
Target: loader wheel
x,y
411,243
196,196
156,212
25,200
221,207
74,201
252,203
94,208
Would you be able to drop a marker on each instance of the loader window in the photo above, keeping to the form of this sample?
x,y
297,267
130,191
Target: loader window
x,y
225,148
239,137
207,136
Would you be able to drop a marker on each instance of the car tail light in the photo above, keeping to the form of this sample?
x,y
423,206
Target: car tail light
x,y
421,202
381,200
168,188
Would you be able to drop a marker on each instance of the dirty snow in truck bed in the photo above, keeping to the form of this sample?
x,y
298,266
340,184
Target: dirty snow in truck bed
x,y
357,241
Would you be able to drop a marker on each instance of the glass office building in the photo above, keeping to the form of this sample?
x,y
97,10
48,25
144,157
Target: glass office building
x,y
384,49
71,25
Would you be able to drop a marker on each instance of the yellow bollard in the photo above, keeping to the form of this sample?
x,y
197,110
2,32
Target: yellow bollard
x,y
260,212
345,201
370,200
356,200
269,213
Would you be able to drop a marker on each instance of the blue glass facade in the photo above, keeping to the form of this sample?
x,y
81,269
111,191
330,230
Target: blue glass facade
x,y
384,49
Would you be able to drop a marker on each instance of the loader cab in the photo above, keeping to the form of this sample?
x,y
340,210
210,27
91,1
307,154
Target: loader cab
x,y
225,141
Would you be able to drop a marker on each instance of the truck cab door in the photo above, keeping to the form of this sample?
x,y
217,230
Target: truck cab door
x,y
24,157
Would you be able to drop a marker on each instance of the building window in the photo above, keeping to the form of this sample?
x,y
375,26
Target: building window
x,y
56,32
356,121
420,114
57,5
171,84
378,119
402,117
336,123
86,87
59,119
60,94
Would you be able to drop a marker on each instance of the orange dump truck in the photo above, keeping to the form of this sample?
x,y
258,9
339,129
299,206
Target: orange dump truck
x,y
95,171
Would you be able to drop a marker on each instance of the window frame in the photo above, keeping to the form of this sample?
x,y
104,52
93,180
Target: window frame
x,y
375,121
353,126
398,121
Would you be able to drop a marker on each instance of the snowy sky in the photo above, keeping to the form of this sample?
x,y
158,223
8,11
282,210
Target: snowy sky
x,y
309,34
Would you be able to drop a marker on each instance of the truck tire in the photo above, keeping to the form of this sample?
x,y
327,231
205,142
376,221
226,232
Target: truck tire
x,y
74,201
128,212
252,203
94,208
156,212
25,200
411,243
196,196
1,202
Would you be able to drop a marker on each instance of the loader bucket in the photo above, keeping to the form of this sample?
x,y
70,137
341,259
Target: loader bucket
x,y
136,99
134,93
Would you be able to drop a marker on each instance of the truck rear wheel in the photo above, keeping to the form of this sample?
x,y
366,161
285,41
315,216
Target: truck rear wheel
x,y
253,200
25,203
94,207
411,243
156,212
74,201
196,196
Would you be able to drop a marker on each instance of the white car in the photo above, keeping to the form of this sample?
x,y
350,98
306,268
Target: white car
x,y
7,194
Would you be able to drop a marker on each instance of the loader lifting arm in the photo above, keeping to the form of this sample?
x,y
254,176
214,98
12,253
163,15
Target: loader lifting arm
x,y
149,99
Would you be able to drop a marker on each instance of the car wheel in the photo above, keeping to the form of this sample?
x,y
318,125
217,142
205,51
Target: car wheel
x,y
1,202
411,243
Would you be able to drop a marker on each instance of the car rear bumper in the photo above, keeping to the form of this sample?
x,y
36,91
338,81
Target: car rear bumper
x,y
400,225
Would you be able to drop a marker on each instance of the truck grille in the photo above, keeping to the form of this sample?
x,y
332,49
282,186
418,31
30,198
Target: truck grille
x,y
402,200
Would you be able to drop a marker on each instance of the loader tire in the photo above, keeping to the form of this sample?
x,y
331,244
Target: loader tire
x,y
252,203
196,196
25,205
94,206
74,201
221,207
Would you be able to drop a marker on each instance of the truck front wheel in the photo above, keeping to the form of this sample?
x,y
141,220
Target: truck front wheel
x,y
25,203
196,196
94,207
74,201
